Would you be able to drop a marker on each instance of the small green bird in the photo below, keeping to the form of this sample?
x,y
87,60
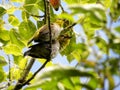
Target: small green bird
x,y
42,50
42,34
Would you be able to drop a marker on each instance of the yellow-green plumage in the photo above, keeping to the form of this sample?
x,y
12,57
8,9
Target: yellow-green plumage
x,y
42,34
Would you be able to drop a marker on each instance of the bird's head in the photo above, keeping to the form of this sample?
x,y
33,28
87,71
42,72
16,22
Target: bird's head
x,y
60,22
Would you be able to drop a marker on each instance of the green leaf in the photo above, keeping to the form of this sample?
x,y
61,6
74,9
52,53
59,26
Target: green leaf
x,y
115,47
102,44
12,49
30,6
26,30
58,75
68,84
2,75
40,5
110,79
15,39
13,20
114,10
94,13
2,61
18,1
93,83
25,15
117,29
4,35
2,11
63,72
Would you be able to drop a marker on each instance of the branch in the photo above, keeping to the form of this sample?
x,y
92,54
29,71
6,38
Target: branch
x,y
49,26
33,76
25,73
62,8
70,26
9,76
35,15
45,7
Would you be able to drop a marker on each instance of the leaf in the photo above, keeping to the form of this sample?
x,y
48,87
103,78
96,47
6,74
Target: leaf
x,y
4,35
58,75
2,75
93,83
117,29
63,72
94,13
15,39
101,43
115,47
2,61
110,79
2,11
13,20
18,1
12,49
80,1
26,30
30,6
25,16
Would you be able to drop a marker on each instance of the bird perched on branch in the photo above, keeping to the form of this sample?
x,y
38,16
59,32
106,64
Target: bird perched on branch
x,y
42,34
55,4
42,50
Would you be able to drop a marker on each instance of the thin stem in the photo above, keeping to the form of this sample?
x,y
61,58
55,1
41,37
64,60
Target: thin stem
x,y
35,73
9,76
50,31
45,17
24,75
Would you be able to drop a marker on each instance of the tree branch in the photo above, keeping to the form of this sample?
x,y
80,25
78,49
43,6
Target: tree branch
x,y
25,73
26,82
45,6
49,26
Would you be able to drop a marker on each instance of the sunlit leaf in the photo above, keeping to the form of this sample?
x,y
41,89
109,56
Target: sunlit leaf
x,y
102,44
117,29
13,20
63,72
30,6
4,35
2,75
15,39
17,0
110,79
12,49
26,29
2,61
79,1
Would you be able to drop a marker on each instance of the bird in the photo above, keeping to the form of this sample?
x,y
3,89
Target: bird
x,y
64,41
55,4
42,50
42,34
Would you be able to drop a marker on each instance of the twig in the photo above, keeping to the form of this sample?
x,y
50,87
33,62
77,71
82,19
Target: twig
x,y
45,17
24,75
70,26
62,8
35,73
50,32
9,76
34,15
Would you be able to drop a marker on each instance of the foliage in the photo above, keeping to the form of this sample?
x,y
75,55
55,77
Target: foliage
x,y
95,47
